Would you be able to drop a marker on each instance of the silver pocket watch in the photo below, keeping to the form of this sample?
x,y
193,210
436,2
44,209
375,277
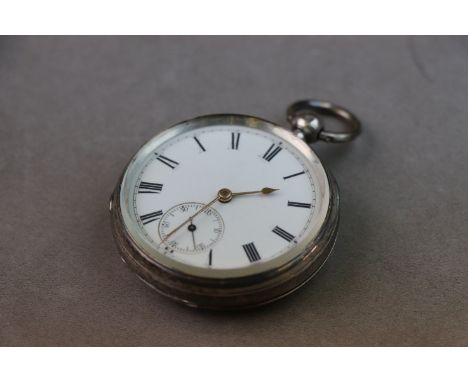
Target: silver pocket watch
x,y
230,211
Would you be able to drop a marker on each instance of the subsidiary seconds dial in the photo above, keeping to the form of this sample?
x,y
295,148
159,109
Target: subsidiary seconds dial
x,y
198,234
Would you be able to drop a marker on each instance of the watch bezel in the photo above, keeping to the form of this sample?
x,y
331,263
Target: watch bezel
x,y
160,259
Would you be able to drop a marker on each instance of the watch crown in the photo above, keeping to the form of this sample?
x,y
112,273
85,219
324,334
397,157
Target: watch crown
x,y
307,126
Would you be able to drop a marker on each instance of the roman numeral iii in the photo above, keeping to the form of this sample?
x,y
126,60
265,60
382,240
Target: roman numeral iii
x,y
271,152
251,252
235,141
149,188
151,217
297,204
282,233
168,162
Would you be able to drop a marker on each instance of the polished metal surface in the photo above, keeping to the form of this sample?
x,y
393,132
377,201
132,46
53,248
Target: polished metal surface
x,y
304,118
240,288
259,283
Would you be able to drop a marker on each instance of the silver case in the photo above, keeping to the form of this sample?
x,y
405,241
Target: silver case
x,y
235,292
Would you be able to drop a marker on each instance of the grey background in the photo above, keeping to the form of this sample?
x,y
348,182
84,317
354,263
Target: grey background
x,y
73,111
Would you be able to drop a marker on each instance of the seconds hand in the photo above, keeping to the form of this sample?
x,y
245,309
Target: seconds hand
x,y
224,196
191,228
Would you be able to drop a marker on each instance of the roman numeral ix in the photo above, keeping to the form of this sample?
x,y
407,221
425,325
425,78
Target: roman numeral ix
x,y
282,233
151,217
168,162
235,141
149,188
251,252
271,152
297,204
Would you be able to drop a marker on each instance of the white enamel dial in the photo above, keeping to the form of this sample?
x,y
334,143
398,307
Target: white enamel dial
x,y
176,177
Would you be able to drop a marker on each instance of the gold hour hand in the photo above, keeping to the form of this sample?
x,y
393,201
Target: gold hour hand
x,y
264,190
225,195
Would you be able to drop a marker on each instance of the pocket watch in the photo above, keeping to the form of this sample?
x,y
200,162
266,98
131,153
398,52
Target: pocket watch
x,y
231,211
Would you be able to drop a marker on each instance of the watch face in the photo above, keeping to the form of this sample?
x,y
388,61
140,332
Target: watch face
x,y
275,191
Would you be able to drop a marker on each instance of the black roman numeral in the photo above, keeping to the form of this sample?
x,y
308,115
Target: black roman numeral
x,y
251,252
149,188
271,152
297,204
210,258
199,144
168,162
151,217
293,175
235,141
282,233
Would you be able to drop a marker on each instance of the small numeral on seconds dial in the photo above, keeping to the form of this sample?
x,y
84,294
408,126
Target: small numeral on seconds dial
x,y
251,252
151,217
297,204
271,152
235,141
149,188
168,162
282,233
